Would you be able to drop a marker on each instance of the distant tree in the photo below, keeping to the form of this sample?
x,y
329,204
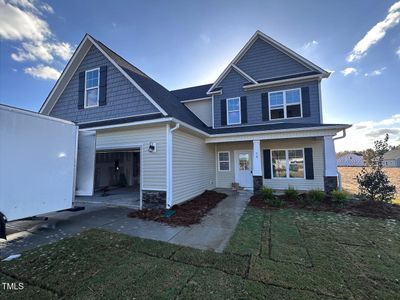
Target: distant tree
x,y
368,156
341,153
395,147
373,183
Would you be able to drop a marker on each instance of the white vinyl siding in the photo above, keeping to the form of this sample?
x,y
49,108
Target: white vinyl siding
x,y
226,178
298,183
193,166
154,164
202,109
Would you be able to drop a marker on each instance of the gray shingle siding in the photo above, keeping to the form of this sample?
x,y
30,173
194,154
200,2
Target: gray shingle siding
x,y
264,61
123,99
232,86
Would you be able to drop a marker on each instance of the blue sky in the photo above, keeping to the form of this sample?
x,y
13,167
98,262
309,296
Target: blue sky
x,y
185,43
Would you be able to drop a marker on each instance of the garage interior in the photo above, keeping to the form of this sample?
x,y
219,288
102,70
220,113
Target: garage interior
x,y
117,178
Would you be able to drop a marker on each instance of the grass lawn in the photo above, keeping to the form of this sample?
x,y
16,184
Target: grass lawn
x,y
283,254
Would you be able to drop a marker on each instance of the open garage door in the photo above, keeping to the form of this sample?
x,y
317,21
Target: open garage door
x,y
86,163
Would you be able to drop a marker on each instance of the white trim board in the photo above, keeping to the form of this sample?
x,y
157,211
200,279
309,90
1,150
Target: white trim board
x,y
64,79
258,34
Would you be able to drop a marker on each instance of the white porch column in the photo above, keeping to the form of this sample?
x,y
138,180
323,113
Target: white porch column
x,y
256,159
330,156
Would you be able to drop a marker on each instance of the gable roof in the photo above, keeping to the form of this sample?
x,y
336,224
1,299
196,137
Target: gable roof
x,y
165,101
392,154
191,93
274,43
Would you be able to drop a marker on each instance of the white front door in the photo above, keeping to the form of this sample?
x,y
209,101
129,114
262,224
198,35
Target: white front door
x,y
243,168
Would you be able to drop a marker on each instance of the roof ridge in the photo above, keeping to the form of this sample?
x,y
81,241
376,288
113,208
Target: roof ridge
x,y
121,58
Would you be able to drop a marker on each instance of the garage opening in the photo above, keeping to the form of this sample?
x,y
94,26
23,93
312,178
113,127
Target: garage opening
x,y
117,178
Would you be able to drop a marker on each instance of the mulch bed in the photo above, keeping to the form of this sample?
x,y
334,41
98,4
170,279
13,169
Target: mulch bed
x,y
186,214
353,207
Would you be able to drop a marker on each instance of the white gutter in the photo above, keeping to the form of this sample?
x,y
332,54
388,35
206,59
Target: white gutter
x,y
169,163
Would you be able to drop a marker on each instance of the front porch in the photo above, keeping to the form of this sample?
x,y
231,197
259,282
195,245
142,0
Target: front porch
x,y
304,163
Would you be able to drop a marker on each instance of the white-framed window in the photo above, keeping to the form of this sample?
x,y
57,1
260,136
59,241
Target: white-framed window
x,y
233,111
287,163
224,161
285,104
92,82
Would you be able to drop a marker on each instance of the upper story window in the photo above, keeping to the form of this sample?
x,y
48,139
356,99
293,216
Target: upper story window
x,y
233,111
92,81
285,104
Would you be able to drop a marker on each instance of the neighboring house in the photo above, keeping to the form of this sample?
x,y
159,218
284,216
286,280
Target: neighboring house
x,y
350,160
392,158
260,123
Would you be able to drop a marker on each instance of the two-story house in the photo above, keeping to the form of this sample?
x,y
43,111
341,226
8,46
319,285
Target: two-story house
x,y
260,123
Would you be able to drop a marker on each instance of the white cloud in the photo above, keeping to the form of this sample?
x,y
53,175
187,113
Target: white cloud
x,y
398,52
376,72
310,45
22,21
376,33
47,8
19,24
363,134
43,72
349,71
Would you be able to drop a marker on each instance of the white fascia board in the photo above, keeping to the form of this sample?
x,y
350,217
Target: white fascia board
x,y
129,78
195,100
280,82
275,44
45,109
235,59
275,134
130,124
247,76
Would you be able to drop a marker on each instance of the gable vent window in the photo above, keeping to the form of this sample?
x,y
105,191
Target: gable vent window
x,y
92,82
285,104
233,111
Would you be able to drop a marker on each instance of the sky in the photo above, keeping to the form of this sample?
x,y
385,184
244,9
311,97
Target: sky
x,y
187,43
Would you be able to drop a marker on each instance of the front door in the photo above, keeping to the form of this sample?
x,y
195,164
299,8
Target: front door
x,y
243,168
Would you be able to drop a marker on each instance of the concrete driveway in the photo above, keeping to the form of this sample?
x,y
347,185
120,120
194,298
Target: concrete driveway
x,y
213,233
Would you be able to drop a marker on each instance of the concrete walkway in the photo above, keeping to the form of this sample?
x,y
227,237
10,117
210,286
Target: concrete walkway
x,y
212,234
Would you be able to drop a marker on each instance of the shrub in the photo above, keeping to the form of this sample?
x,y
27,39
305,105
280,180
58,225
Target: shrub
x,y
339,196
316,195
291,194
374,184
269,197
267,193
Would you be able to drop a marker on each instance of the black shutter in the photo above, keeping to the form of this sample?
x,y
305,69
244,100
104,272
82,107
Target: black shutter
x,y
264,107
267,163
223,112
305,99
81,90
308,160
243,109
103,86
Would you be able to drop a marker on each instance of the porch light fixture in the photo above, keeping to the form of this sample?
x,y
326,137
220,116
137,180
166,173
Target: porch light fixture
x,y
152,147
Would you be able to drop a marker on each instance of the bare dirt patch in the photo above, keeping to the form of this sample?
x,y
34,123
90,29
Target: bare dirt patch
x,y
354,207
349,180
186,214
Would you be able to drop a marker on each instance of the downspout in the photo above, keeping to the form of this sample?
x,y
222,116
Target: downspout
x,y
340,137
338,173
169,164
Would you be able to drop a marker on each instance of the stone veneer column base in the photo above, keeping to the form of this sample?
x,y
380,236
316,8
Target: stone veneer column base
x,y
330,183
154,199
257,184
